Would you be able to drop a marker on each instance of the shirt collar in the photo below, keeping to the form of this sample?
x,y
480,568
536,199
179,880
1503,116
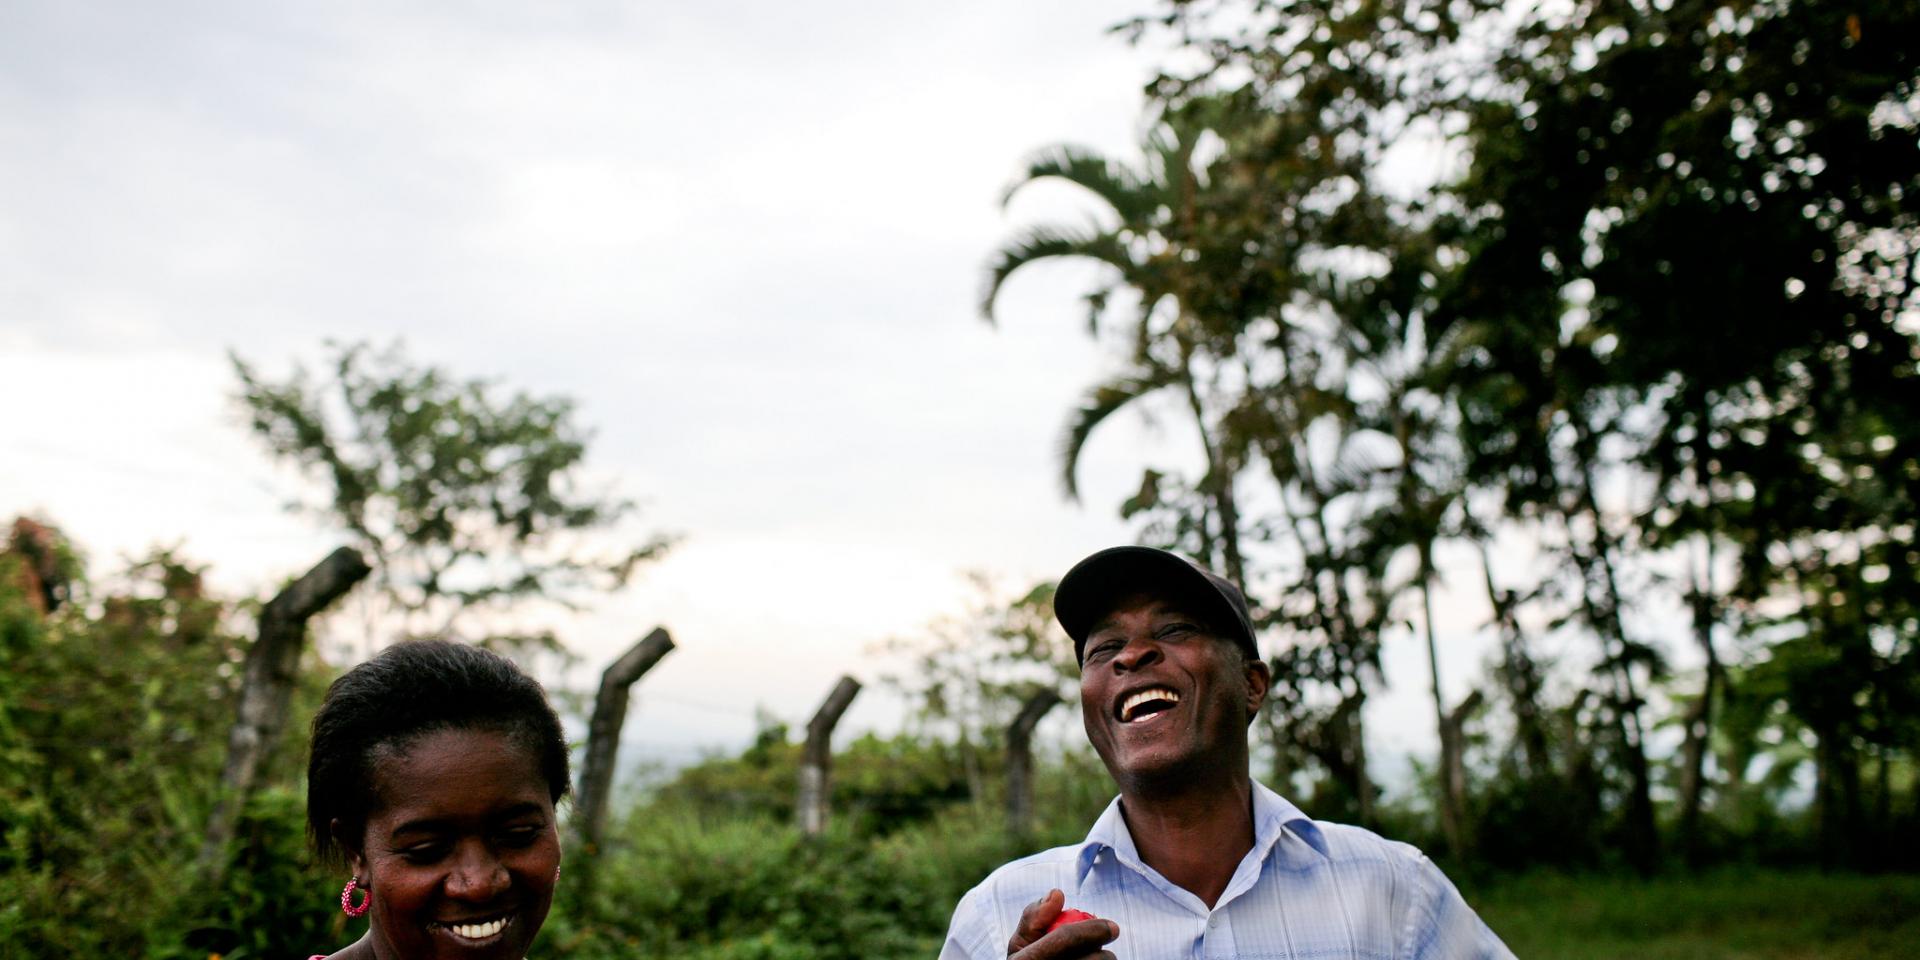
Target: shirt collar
x,y
1273,816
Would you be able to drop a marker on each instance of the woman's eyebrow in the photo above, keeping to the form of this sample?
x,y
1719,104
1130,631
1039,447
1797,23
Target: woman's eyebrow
x,y
446,824
519,810
422,825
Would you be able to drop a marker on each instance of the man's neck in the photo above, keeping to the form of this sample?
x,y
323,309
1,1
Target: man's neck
x,y
1195,837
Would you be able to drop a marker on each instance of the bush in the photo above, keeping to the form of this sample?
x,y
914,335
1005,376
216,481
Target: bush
x,y
114,717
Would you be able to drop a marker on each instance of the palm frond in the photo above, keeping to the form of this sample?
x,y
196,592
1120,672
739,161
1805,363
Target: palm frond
x,y
1101,402
1133,197
1044,242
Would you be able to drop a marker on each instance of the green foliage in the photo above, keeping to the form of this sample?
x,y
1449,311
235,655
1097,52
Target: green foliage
x,y
966,676
115,710
1723,915
116,704
271,902
1717,200
1653,314
683,877
745,888
467,499
880,784
106,714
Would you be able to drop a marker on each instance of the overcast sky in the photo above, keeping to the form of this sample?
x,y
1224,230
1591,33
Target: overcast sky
x,y
746,237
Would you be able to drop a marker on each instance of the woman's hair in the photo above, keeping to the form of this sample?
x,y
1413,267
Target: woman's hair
x,y
410,690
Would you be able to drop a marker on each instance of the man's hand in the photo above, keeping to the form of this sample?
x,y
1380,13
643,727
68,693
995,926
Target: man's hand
x,y
1073,941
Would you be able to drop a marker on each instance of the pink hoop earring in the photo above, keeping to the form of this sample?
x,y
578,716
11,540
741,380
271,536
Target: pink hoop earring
x,y
346,899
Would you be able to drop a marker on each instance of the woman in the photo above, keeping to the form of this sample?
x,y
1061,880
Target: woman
x,y
433,779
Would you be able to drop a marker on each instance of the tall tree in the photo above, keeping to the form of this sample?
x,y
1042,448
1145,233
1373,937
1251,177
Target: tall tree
x,y
467,501
1682,260
1713,198
1149,231
1651,310
1239,275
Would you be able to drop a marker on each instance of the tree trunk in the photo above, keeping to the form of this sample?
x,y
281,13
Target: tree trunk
x,y
1020,759
1219,479
1453,778
1642,842
970,762
1453,772
1643,839
1356,733
1697,725
1337,741
1837,799
1520,675
1882,825
1452,767
1582,797
1355,645
1643,833
816,758
603,733
272,665
1693,750
1282,742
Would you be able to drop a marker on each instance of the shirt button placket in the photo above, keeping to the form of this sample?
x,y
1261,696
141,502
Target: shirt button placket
x,y
1219,937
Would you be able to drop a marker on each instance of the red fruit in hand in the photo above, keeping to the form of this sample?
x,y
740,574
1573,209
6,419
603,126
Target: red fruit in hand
x,y
1069,916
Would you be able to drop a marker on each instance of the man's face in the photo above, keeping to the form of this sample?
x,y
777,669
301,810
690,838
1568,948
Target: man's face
x,y
1162,696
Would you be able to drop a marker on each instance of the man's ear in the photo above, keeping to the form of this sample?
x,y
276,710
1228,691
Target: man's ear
x,y
1259,678
351,846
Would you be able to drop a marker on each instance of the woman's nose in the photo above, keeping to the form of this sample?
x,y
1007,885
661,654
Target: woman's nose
x,y
478,874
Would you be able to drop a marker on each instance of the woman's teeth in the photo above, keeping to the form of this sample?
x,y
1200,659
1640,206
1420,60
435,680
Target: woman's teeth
x,y
478,931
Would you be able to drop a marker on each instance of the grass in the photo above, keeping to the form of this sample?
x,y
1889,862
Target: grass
x,y
1724,915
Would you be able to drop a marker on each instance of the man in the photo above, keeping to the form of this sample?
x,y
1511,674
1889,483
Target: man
x,y
1195,859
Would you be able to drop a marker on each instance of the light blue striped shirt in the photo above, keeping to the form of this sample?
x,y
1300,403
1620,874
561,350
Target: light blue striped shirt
x,y
1305,890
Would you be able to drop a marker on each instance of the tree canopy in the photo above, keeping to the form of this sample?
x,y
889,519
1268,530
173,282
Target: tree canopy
x,y
470,500
1628,286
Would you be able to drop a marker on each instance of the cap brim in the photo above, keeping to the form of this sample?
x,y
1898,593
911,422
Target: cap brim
x,y
1089,591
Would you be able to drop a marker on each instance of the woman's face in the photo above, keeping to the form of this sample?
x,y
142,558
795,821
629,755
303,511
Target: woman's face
x,y
461,852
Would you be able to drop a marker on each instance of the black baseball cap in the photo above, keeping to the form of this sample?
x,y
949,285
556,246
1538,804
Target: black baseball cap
x,y
1089,591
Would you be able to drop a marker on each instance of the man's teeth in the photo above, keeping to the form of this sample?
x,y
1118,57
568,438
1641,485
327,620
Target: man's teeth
x,y
478,931
1146,696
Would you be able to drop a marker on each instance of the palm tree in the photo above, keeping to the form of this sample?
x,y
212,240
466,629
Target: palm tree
x,y
1219,251
1147,237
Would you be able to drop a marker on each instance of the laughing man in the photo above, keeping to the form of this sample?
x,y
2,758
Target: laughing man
x,y
1194,858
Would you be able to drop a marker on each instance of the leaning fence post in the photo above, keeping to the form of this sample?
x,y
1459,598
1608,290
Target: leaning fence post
x,y
603,732
266,691
1020,758
816,758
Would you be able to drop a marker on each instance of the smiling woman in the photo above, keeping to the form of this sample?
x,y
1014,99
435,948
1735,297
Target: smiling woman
x,y
434,773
